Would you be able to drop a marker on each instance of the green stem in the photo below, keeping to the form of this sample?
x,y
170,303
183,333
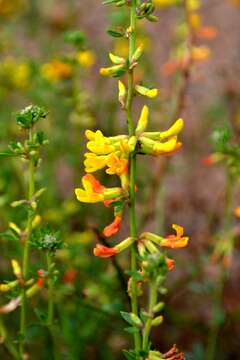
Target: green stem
x,y
50,291
148,324
25,266
219,288
131,131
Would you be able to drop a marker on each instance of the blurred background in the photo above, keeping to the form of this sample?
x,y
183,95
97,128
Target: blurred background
x,y
50,55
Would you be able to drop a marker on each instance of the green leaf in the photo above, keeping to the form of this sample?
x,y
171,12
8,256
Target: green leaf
x,y
131,318
9,235
115,33
130,355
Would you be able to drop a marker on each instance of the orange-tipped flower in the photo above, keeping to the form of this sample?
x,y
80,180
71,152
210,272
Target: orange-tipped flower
x,y
104,251
113,228
170,263
175,241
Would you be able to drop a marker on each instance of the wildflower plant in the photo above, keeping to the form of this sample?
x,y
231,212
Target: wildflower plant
x,y
28,151
118,155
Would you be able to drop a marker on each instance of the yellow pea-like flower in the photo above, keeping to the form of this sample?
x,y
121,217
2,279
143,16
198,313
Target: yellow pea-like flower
x,y
175,241
92,191
94,162
175,129
116,166
99,144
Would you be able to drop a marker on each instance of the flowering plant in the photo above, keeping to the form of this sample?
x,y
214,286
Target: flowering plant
x,y
118,155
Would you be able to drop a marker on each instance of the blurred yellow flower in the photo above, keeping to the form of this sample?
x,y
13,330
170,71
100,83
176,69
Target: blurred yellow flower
x,y
15,74
86,58
56,70
200,53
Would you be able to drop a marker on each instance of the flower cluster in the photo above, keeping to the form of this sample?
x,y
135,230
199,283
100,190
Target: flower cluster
x,y
112,154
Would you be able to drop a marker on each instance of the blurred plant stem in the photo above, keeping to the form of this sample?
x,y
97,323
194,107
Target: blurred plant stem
x,y
148,324
218,311
6,341
31,190
131,132
50,290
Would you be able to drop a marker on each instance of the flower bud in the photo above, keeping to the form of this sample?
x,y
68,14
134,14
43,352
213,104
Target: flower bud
x,y
121,93
143,121
117,60
151,93
157,321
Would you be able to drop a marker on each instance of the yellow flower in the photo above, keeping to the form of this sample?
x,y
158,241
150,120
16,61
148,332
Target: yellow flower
x,y
200,53
151,93
116,165
165,3
92,191
94,162
195,21
16,74
86,58
175,241
56,70
98,144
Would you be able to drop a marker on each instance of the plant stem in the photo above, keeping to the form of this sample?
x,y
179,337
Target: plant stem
x,y
25,266
148,324
50,291
131,132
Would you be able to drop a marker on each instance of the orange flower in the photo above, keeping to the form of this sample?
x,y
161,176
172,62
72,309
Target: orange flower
x,y
104,251
175,241
170,263
207,32
113,228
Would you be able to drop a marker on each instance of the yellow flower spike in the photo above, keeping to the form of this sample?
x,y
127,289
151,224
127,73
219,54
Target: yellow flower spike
x,y
175,129
86,58
116,165
175,241
16,268
99,144
200,53
122,92
94,162
151,93
117,60
143,121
